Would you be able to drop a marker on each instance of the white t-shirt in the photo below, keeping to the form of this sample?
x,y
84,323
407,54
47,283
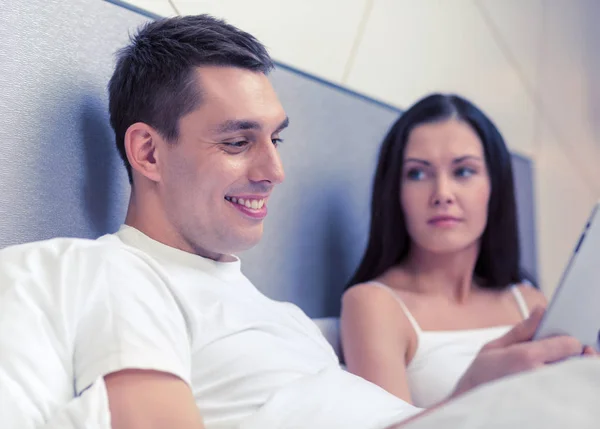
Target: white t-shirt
x,y
127,301
45,289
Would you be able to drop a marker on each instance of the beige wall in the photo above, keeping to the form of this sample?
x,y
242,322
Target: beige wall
x,y
533,65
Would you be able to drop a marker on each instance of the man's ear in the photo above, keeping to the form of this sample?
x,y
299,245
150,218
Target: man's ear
x,y
141,147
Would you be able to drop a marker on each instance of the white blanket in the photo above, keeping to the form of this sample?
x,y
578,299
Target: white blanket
x,y
560,396
330,399
564,395
88,411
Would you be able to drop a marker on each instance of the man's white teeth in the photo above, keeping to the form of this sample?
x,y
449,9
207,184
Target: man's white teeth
x,y
250,204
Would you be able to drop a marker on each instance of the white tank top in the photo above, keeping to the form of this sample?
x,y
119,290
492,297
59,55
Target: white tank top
x,y
442,357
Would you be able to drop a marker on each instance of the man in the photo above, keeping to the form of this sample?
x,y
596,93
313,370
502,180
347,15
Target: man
x,y
160,310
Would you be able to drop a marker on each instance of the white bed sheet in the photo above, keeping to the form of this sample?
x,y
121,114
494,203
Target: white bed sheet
x,y
559,396
87,411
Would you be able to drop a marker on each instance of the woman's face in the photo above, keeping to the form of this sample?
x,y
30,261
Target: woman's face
x,y
445,187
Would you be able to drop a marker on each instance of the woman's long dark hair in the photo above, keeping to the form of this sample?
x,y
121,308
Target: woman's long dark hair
x,y
389,243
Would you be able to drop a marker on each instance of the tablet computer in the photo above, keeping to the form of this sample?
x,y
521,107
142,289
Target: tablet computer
x,y
574,309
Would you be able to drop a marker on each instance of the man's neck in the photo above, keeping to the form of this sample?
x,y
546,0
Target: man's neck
x,y
149,220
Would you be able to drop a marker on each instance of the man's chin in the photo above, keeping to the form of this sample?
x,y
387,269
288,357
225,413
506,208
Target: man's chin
x,y
245,242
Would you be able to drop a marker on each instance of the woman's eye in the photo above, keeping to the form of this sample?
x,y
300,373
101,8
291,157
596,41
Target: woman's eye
x,y
415,174
464,172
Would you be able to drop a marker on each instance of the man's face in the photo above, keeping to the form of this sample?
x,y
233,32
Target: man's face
x,y
216,179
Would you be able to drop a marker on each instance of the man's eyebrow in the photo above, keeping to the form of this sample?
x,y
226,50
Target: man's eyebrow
x,y
233,125
284,124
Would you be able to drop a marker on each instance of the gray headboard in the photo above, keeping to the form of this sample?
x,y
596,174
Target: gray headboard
x,y
60,174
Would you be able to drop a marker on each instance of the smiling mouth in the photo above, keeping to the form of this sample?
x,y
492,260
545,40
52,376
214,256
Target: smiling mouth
x,y
249,203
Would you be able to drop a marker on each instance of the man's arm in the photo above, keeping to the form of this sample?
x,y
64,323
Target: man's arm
x,y
138,399
133,334
150,400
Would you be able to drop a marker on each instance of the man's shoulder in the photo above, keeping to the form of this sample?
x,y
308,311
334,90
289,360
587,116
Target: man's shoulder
x,y
59,247
70,254
47,249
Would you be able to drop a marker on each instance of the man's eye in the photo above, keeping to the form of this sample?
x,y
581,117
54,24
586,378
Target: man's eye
x,y
277,141
238,145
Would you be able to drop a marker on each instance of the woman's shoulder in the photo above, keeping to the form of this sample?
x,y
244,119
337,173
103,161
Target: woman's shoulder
x,y
366,292
392,282
373,306
383,292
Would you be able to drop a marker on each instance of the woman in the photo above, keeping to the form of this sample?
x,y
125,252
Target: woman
x,y
440,276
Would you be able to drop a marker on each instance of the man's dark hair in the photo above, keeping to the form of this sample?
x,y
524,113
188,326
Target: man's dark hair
x,y
154,79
